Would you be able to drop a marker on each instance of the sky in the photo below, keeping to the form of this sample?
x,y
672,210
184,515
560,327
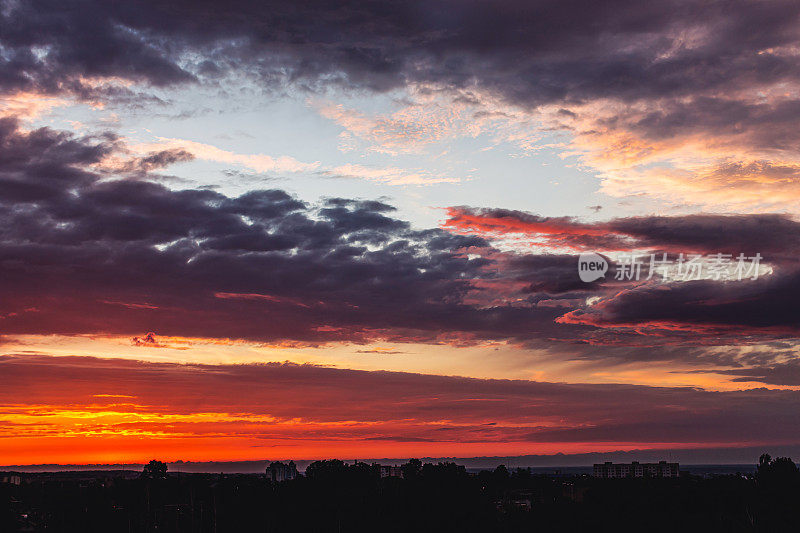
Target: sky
x,y
272,230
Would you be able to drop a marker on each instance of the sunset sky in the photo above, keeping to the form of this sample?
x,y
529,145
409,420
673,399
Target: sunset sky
x,y
268,230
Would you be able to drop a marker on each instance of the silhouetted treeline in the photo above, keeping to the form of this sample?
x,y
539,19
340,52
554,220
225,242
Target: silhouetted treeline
x,y
336,497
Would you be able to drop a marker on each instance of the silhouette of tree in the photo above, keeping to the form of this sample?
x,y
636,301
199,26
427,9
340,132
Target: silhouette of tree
x,y
155,470
501,472
778,470
412,469
764,461
326,469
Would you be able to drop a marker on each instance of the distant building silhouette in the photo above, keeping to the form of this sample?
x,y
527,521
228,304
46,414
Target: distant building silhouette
x,y
391,471
278,471
636,469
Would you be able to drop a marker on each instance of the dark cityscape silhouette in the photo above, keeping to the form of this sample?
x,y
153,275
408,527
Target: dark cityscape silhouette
x,y
334,496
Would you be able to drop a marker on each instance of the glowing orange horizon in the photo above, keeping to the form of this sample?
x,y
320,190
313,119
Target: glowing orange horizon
x,y
60,450
88,410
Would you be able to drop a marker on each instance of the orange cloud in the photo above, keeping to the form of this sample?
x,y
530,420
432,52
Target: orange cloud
x,y
731,152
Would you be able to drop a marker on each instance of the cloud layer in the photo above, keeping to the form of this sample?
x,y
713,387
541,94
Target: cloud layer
x,y
85,252
302,411
547,51
688,102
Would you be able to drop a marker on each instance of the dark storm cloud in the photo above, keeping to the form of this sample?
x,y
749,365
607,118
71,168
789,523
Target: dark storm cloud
x,y
529,52
157,160
81,253
45,164
772,234
696,312
745,309
787,373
